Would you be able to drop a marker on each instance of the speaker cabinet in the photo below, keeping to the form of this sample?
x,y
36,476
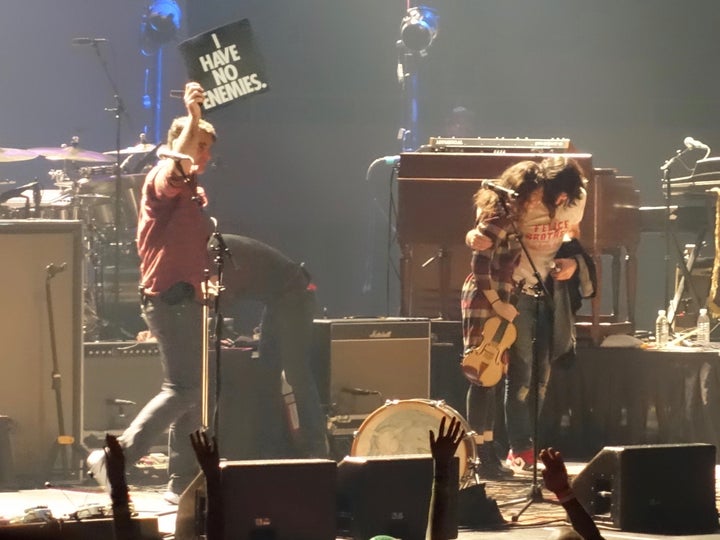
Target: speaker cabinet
x,y
652,488
447,381
388,495
119,378
252,423
27,389
291,499
360,363
432,276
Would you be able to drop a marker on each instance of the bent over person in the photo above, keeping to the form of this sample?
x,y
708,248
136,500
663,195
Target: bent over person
x,y
173,231
546,210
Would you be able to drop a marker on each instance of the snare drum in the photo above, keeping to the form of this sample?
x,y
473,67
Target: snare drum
x,y
402,426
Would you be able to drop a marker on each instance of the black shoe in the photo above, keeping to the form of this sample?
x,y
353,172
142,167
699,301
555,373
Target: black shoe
x,y
490,465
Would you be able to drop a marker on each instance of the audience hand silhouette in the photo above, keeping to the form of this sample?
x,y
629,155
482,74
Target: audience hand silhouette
x,y
115,463
206,451
555,473
556,480
208,456
444,446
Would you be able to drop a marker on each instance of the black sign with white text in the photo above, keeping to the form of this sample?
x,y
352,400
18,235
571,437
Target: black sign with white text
x,y
226,63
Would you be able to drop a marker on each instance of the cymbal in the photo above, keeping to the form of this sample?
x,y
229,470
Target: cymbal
x,y
16,154
142,148
71,153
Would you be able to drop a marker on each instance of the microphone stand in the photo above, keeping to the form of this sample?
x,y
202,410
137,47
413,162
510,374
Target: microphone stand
x,y
671,239
534,494
63,441
220,249
119,111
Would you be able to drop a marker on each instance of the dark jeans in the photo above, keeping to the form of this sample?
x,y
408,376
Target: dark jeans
x,y
534,318
285,341
178,329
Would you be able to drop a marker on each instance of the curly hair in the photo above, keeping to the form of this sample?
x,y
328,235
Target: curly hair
x,y
561,175
556,175
523,177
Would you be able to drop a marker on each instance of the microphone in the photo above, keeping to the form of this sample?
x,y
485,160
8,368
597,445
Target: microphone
x,y
360,391
118,401
489,184
694,144
166,153
391,160
53,270
88,41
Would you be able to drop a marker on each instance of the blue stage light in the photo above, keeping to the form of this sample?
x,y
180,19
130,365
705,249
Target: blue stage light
x,y
159,25
419,28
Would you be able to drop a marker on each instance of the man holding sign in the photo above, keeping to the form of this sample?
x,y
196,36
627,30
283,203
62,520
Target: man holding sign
x,y
173,232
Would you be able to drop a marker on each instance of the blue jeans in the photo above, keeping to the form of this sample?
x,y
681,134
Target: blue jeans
x,y
178,329
534,319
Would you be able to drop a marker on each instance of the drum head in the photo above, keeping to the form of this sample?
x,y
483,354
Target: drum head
x,y
403,427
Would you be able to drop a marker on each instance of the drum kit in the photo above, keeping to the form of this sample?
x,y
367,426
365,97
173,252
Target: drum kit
x,y
101,190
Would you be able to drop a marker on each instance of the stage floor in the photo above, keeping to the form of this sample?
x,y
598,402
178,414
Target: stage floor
x,y
538,521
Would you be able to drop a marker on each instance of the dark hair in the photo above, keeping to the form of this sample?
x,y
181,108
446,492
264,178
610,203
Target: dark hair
x,y
561,175
523,177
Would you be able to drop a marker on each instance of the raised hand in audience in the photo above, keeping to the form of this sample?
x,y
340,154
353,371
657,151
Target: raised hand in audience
x,y
206,452
208,457
115,463
555,474
556,479
443,448
125,528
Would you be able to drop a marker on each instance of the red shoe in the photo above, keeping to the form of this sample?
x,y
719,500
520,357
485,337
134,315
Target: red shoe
x,y
521,461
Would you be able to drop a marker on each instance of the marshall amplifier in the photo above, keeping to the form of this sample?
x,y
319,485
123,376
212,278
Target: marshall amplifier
x,y
119,378
361,363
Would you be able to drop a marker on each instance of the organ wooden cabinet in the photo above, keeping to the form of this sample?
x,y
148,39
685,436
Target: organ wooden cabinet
x,y
435,210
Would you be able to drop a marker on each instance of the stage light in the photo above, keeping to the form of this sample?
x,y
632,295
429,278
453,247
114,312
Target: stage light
x,y
419,28
159,25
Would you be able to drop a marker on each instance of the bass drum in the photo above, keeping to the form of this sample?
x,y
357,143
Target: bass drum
x,y
401,427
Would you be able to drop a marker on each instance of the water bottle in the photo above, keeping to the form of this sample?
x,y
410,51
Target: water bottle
x,y
662,330
703,328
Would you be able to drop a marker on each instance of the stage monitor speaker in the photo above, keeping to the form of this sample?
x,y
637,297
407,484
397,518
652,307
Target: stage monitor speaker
x,y
290,499
27,394
119,378
665,488
360,363
382,495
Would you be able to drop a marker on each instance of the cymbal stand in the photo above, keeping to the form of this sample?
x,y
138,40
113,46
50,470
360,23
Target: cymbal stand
x,y
119,111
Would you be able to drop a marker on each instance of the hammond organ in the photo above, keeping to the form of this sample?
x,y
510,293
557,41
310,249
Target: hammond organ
x,y
435,210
